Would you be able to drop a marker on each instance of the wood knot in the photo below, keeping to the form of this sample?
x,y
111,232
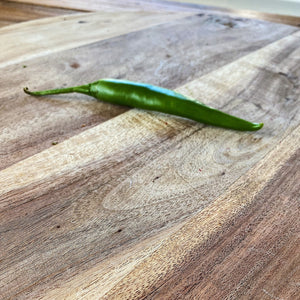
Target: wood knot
x,y
75,65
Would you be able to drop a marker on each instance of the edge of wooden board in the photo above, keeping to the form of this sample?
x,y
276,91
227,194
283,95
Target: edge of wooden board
x,y
175,5
116,5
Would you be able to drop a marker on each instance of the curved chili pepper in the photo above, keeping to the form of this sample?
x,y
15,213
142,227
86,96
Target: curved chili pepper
x,y
149,97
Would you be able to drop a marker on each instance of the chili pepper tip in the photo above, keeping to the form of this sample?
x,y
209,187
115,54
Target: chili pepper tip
x,y
256,126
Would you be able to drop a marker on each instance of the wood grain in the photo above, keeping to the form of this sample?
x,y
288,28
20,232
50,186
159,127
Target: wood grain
x,y
221,251
175,6
116,5
12,12
255,11
78,30
133,204
43,192
36,123
282,19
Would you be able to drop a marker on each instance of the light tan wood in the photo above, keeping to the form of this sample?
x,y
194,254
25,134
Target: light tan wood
x,y
80,29
132,204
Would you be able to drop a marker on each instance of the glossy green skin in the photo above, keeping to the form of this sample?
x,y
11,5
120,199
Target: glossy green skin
x,y
155,98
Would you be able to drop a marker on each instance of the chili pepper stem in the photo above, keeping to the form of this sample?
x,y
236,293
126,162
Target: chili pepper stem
x,y
83,89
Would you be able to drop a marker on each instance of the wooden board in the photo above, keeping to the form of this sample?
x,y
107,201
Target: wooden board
x,y
180,58
99,201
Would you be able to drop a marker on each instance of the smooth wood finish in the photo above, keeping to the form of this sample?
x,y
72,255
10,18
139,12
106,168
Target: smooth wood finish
x,y
99,201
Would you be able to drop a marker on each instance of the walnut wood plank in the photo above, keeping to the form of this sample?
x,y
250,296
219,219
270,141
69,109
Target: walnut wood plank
x,y
137,175
14,12
35,123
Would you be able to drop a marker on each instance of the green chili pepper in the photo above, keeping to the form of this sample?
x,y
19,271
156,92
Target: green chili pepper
x,y
149,97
